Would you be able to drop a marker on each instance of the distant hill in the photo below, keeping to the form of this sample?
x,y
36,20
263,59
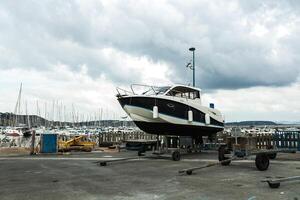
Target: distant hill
x,y
9,119
251,123
288,122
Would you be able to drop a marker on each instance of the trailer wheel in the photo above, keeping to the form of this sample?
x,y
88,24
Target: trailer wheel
x,y
176,155
262,162
272,156
189,172
141,153
273,185
222,151
142,150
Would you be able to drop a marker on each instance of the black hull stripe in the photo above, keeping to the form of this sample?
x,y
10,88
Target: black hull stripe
x,y
167,107
176,129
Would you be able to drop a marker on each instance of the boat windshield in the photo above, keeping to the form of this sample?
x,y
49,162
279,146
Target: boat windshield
x,y
156,90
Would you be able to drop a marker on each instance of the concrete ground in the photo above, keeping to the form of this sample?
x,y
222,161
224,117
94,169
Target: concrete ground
x,y
78,176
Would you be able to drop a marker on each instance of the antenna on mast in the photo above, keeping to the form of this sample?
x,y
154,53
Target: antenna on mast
x,y
192,65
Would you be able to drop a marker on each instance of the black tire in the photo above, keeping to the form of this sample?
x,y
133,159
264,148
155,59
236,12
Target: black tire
x,y
142,151
103,163
274,185
176,155
262,162
189,172
222,151
272,156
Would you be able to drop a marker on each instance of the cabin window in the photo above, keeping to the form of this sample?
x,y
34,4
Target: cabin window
x,y
184,92
194,95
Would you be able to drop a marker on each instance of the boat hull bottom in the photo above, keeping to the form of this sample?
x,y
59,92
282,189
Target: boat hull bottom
x,y
176,129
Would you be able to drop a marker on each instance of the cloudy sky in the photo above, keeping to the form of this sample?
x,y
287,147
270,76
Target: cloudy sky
x,y
74,53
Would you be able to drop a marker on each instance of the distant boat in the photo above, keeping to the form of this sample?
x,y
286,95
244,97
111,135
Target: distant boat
x,y
18,131
13,132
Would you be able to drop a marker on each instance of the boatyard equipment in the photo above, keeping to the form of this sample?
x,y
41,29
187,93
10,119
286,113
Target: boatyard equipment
x,y
240,148
104,163
49,143
275,183
167,145
78,143
138,145
189,171
244,147
173,146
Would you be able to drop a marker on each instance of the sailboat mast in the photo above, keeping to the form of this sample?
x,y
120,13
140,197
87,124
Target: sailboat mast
x,y
45,114
28,120
17,107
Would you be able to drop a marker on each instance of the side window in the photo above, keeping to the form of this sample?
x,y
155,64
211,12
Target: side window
x,y
192,95
178,94
187,95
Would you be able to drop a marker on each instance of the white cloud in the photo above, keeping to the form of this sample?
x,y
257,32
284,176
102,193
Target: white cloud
x,y
78,51
62,85
258,103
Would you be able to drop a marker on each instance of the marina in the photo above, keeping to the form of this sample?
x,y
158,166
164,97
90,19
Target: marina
x,y
117,160
150,100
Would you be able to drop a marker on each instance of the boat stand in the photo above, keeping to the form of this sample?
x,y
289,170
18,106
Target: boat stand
x,y
174,146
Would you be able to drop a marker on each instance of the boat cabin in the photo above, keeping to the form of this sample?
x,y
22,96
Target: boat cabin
x,y
184,91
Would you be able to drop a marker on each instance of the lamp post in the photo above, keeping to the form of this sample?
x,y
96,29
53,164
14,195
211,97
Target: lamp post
x,y
193,67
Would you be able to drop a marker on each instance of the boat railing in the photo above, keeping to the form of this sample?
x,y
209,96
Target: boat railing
x,y
123,92
141,85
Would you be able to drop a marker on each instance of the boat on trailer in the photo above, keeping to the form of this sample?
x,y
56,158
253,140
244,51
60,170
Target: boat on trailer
x,y
170,110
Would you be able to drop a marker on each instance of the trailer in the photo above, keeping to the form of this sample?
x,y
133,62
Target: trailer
x,y
241,148
174,146
163,147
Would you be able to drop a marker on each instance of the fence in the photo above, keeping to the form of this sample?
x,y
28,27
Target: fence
x,y
281,139
117,137
264,141
287,139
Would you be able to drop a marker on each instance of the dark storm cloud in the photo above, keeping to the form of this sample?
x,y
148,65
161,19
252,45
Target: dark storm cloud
x,y
232,49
